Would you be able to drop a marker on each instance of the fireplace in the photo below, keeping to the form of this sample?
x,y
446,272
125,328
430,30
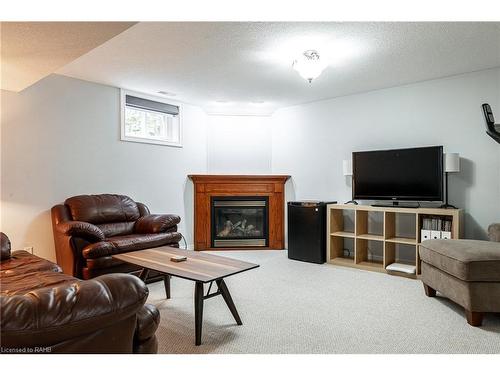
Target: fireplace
x,y
239,221
228,190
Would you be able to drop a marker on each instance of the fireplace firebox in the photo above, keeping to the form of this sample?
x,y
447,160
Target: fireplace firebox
x,y
238,221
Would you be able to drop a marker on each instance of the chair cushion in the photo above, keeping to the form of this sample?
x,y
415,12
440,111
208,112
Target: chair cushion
x,y
124,244
117,229
468,260
103,208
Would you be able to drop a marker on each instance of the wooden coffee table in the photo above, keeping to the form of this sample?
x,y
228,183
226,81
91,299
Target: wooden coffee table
x,y
199,267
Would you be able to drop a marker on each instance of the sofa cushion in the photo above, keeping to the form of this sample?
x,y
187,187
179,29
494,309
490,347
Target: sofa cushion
x,y
123,244
24,272
103,208
22,262
468,260
22,283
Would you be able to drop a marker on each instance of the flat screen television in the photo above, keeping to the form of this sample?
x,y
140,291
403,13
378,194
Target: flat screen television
x,y
411,174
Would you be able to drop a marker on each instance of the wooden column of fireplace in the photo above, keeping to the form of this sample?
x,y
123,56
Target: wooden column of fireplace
x,y
207,186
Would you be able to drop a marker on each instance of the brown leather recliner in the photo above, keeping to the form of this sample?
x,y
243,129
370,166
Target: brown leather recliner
x,y
89,229
45,311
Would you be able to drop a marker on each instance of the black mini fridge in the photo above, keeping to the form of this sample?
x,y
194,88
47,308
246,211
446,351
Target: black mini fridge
x,y
307,231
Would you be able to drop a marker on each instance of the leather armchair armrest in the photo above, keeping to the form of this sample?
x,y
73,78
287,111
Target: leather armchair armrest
x,y
80,229
145,341
148,319
54,314
143,209
98,250
494,232
157,223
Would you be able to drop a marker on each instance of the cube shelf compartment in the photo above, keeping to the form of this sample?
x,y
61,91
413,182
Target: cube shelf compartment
x,y
392,249
362,253
399,229
339,244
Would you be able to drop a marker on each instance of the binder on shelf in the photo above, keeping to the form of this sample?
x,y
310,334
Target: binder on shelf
x,y
445,235
425,234
435,234
435,227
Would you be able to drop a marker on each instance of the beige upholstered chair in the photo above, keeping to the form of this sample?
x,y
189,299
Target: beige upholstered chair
x,y
465,271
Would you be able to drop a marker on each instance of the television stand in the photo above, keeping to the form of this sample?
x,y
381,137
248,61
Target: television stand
x,y
373,238
396,204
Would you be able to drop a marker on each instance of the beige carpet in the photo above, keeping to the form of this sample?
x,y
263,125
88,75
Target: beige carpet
x,y
295,307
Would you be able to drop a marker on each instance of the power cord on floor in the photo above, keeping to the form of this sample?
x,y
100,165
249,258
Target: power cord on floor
x,y
185,242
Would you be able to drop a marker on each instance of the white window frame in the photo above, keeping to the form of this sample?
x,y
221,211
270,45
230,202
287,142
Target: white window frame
x,y
125,138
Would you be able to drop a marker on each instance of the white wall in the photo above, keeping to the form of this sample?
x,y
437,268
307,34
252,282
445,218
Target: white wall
x,y
60,138
310,141
239,144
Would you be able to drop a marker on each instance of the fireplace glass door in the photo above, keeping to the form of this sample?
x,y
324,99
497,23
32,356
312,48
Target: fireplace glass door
x,y
239,221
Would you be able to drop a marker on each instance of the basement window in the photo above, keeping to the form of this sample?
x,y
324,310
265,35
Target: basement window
x,y
149,119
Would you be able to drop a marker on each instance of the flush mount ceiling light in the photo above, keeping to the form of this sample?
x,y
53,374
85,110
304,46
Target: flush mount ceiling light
x,y
309,65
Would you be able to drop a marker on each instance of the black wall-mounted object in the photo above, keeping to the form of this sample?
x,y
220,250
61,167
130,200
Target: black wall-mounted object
x,y
492,129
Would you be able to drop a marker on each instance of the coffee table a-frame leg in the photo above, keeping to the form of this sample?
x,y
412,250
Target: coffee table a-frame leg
x,y
199,297
166,283
198,310
229,300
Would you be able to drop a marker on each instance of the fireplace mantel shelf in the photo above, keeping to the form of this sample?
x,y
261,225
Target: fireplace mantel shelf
x,y
236,177
208,186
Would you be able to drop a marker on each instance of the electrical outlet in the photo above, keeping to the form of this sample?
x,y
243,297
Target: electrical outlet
x,y
29,249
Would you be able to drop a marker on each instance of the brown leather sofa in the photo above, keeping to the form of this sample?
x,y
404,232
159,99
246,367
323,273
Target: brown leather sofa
x,y
89,229
46,311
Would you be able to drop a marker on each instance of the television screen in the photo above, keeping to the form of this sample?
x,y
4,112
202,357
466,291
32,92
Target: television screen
x,y
406,174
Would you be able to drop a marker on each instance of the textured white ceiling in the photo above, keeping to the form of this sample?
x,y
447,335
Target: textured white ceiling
x,y
33,50
247,63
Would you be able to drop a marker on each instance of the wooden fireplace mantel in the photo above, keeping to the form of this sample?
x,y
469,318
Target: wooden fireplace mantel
x,y
207,186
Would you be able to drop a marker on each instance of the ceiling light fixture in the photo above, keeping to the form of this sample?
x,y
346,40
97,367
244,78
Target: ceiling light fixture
x,y
309,65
